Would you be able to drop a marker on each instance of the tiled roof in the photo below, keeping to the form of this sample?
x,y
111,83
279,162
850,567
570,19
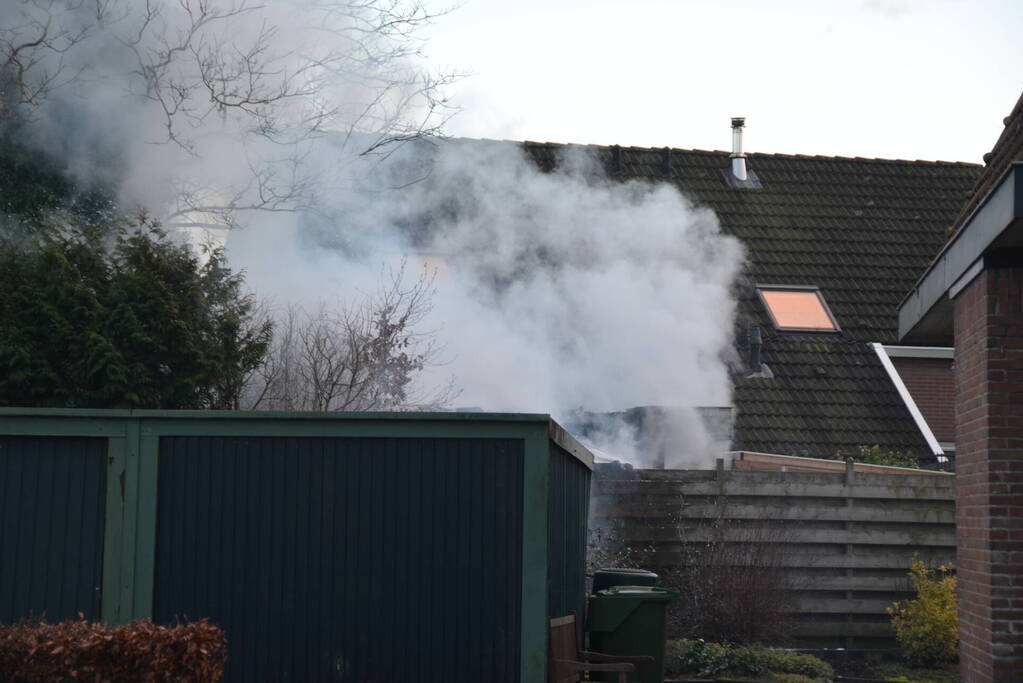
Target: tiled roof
x,y
827,397
1007,149
863,230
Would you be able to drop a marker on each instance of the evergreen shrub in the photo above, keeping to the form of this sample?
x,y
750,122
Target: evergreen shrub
x,y
927,627
696,657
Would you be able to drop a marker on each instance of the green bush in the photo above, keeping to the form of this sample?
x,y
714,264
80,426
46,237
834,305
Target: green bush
x,y
875,455
122,316
710,659
696,656
791,678
783,661
927,627
901,673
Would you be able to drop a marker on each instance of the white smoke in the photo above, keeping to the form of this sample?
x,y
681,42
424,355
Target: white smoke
x,y
203,111
558,291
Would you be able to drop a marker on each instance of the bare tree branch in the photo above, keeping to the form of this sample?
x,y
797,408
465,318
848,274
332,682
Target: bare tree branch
x,y
366,356
32,53
214,68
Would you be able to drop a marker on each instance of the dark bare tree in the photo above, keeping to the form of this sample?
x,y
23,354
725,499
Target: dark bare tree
x,y
269,76
361,356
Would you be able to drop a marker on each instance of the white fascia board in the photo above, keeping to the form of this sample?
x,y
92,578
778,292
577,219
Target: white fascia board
x,y
918,417
895,351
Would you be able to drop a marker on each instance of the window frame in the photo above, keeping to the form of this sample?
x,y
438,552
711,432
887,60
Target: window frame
x,y
814,289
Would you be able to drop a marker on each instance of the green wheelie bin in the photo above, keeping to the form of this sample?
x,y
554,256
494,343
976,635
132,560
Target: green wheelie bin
x,y
630,620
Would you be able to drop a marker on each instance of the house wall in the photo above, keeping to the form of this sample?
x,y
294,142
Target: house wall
x,y
989,468
931,383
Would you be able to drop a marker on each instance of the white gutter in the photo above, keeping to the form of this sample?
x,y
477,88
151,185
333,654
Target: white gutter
x,y
918,417
919,351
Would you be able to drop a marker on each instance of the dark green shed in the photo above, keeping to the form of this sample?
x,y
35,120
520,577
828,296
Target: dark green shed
x,y
330,547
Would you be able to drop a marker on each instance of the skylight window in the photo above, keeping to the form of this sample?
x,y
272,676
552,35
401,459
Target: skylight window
x,y
797,308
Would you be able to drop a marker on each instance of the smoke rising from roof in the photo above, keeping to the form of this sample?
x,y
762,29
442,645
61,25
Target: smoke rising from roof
x,y
205,110
556,291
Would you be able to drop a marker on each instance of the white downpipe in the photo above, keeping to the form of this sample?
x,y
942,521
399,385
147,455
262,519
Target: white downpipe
x,y
918,417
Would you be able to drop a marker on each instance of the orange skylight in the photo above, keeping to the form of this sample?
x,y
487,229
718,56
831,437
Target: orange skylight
x,y
798,309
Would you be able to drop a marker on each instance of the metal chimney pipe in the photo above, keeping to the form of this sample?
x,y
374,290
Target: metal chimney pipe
x,y
756,343
737,157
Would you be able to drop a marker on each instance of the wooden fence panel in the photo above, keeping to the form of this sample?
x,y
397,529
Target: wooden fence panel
x,y
847,539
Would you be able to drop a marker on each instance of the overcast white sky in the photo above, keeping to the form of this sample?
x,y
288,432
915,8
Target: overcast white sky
x,y
912,79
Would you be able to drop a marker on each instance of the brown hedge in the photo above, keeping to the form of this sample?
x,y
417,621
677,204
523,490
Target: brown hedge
x,y
85,651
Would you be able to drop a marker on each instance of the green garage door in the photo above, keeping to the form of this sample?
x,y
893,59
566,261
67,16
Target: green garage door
x,y
51,527
346,559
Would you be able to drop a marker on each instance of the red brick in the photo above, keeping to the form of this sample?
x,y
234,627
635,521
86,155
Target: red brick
x,y
989,491
931,383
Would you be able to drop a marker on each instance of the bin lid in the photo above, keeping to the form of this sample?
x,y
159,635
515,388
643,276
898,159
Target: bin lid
x,y
623,571
612,606
615,576
642,592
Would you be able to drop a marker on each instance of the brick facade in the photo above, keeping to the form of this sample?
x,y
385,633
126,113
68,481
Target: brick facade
x,y
989,469
931,383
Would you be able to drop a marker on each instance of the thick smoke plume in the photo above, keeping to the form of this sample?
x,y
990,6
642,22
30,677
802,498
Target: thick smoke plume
x,y
205,110
556,292
284,127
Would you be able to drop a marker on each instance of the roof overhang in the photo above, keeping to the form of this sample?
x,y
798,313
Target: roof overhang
x,y
993,231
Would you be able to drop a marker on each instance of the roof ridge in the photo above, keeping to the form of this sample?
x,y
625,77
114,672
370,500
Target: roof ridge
x,y
783,155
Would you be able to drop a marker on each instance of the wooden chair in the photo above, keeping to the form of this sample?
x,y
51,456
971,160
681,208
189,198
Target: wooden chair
x,y
566,662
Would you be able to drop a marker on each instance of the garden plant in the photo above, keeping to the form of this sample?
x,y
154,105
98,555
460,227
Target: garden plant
x,y
79,650
926,626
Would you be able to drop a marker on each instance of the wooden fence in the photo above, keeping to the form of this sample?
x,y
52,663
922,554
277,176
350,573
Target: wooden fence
x,y
846,538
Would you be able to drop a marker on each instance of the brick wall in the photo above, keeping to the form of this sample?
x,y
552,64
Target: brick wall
x,y
989,469
931,383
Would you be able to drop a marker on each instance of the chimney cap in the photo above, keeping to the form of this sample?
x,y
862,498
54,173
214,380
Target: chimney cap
x,y
738,121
